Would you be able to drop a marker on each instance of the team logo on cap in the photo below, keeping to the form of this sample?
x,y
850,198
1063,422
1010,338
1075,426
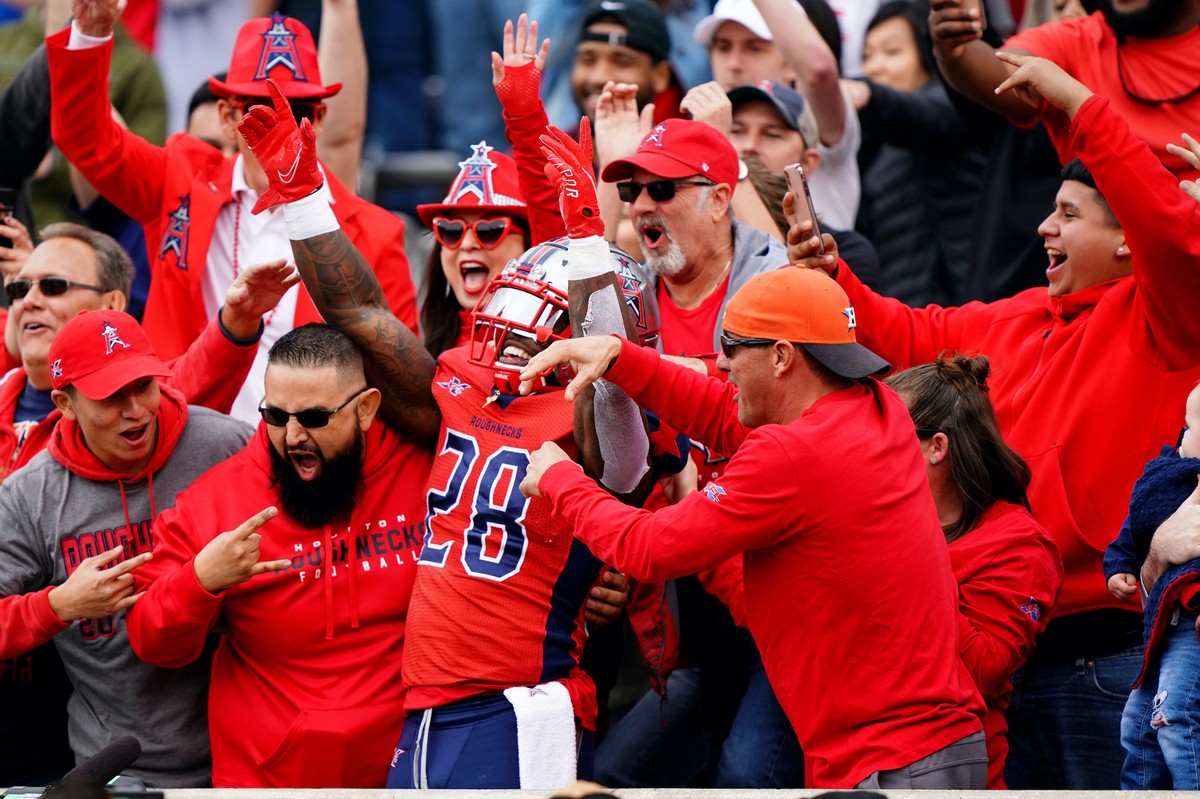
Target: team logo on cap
x,y
475,176
56,368
279,49
454,386
175,239
111,339
655,136
849,314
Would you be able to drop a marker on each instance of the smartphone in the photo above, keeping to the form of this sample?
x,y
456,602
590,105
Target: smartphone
x,y
8,205
802,202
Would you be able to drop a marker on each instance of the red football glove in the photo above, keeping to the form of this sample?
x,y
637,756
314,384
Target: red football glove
x,y
287,153
569,168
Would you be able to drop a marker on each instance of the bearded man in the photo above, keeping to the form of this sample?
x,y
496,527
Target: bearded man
x,y
306,688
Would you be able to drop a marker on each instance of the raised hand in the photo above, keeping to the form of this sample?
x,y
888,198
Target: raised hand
x,y
569,168
256,291
619,126
1190,154
952,27
287,152
232,558
517,75
1038,78
708,103
803,248
95,17
94,592
13,258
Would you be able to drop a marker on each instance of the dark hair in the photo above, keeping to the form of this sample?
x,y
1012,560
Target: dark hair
x,y
316,345
950,395
439,307
823,18
916,14
1076,171
114,268
770,186
204,94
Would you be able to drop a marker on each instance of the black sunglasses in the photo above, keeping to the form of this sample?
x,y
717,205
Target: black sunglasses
x,y
488,232
309,419
728,343
659,190
50,286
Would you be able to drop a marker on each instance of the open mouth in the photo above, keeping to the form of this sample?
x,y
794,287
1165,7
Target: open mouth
x,y
307,464
136,436
1057,259
653,236
474,277
33,327
517,350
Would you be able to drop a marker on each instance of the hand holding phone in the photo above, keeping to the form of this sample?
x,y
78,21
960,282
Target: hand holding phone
x,y
802,203
8,205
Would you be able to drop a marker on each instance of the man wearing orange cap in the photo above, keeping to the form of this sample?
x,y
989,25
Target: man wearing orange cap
x,y
126,444
862,651
196,203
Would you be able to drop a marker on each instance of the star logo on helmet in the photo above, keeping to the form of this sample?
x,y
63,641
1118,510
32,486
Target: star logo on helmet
x,y
279,49
849,314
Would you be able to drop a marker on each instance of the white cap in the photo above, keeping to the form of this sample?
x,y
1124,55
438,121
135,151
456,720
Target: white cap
x,y
742,11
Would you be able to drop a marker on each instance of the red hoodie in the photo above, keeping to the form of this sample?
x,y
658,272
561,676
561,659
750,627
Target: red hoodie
x,y
306,689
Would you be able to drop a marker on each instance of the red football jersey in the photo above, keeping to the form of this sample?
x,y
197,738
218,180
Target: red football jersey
x,y
500,588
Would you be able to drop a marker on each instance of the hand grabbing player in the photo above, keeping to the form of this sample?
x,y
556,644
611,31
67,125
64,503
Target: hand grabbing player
x,y
607,599
255,291
286,151
232,558
590,357
540,460
569,168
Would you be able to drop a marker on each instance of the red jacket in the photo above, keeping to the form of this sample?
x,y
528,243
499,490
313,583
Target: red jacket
x,y
209,374
849,593
1008,573
306,688
1086,386
177,192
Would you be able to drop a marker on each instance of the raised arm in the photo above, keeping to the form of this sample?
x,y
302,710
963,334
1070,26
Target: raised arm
x,y
610,430
969,63
342,57
341,283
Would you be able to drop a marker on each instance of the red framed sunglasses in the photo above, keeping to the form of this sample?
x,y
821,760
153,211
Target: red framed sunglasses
x,y
488,232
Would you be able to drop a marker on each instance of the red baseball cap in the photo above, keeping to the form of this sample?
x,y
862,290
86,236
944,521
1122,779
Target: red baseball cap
x,y
276,47
805,306
679,148
101,352
487,181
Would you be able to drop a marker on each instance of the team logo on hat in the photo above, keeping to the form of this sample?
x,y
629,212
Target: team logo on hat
x,y
655,136
175,238
111,339
475,176
56,368
279,49
849,314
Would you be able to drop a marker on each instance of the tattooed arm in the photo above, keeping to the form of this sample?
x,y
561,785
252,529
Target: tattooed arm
x,y
349,297
337,277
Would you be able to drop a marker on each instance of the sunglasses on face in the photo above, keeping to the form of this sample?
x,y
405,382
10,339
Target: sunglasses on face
x,y
309,419
729,343
488,232
49,286
659,190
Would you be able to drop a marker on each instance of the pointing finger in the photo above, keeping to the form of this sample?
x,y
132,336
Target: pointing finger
x,y
248,527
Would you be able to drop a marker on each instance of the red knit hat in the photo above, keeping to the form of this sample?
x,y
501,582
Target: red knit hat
x,y
101,352
679,148
275,47
487,181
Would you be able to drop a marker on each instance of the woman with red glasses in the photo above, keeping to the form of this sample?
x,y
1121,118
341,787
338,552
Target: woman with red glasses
x,y
480,226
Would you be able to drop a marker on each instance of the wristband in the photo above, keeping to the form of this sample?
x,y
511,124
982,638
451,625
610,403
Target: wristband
x,y
82,41
587,257
310,216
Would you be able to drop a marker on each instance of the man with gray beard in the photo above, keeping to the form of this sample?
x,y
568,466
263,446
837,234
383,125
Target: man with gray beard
x,y
678,185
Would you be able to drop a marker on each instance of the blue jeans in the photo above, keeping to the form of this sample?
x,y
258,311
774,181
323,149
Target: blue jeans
x,y
1064,723
761,750
1161,726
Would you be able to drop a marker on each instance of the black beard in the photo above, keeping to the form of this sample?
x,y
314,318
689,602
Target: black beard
x,y
330,497
1145,24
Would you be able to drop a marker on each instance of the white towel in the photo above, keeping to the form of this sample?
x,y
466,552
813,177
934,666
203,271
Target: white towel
x,y
545,735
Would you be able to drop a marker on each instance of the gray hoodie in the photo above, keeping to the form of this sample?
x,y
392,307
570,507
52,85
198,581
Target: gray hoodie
x,y
51,518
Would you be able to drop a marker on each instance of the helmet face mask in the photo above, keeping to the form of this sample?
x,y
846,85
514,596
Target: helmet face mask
x,y
525,308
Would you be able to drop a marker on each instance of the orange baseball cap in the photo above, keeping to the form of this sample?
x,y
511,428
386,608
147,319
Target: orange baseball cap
x,y
807,307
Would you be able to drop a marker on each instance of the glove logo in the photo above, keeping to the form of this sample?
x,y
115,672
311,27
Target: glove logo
x,y
289,176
